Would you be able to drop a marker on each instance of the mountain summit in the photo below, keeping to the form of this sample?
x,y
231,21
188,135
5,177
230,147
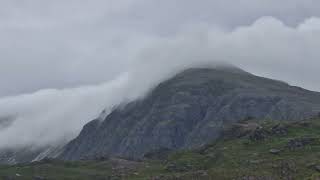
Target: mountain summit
x,y
190,110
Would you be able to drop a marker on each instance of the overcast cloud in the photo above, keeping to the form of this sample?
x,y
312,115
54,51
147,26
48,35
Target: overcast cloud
x,y
96,54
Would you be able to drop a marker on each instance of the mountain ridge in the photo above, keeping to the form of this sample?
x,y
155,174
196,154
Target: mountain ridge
x,y
190,110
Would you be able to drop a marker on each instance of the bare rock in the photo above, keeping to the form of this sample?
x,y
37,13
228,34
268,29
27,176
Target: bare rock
x,y
300,142
259,134
275,151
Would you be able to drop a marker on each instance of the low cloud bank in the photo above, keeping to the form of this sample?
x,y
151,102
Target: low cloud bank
x,y
267,47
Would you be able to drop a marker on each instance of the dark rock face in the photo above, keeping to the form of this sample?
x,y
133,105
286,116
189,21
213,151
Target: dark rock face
x,y
301,142
189,111
259,134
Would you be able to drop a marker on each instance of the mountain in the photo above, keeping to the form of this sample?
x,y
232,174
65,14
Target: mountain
x,y
190,110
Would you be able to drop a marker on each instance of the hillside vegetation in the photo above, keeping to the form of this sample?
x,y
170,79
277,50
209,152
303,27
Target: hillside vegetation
x,y
249,151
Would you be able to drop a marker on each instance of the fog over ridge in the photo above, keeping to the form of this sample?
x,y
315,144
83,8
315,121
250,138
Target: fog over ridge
x,y
268,47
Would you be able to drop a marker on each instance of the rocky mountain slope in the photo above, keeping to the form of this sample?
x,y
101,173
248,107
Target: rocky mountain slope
x,y
28,154
190,110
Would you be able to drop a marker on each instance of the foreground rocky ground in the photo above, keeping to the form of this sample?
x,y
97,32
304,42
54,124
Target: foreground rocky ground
x,y
268,150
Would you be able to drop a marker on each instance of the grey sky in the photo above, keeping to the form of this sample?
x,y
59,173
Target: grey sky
x,y
61,44
94,54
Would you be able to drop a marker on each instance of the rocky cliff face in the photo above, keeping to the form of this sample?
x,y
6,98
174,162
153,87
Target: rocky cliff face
x,y
190,110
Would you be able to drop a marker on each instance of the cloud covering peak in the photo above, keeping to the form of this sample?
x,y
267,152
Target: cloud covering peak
x,y
59,69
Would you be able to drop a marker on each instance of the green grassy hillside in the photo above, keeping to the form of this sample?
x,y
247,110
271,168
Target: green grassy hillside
x,y
248,151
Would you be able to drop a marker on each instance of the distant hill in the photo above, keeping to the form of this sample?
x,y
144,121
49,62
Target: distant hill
x,y
190,110
27,153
